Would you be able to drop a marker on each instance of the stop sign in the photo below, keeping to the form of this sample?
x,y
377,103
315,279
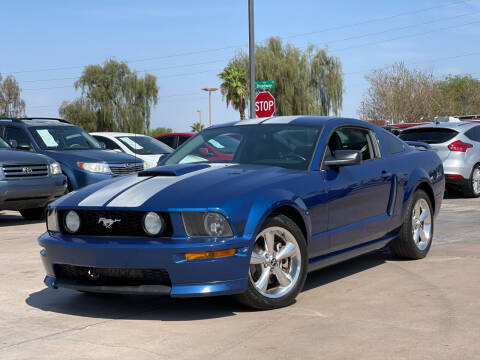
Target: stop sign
x,y
264,104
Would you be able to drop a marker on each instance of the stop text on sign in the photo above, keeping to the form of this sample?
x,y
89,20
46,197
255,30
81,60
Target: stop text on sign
x,y
264,104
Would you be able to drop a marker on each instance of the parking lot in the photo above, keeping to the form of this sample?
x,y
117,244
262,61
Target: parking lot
x,y
373,307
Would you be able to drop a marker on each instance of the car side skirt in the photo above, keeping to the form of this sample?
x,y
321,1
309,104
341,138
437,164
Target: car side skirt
x,y
349,253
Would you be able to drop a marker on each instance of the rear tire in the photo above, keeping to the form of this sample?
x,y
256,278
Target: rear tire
x,y
33,214
278,265
416,233
472,189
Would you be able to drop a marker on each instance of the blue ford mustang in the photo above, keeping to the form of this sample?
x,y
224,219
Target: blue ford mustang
x,y
291,195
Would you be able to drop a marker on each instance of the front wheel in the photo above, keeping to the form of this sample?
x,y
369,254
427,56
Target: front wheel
x,y
278,265
416,232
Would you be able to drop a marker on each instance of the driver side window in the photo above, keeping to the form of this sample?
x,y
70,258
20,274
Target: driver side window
x,y
351,139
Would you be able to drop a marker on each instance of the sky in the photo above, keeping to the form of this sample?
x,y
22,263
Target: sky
x,y
186,43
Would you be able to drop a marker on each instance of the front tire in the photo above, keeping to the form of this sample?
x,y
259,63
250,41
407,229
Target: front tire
x,y
416,232
278,265
33,214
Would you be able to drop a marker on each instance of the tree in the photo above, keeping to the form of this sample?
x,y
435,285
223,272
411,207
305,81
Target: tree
x,y
234,88
398,94
119,98
197,126
457,95
159,131
79,112
306,82
11,104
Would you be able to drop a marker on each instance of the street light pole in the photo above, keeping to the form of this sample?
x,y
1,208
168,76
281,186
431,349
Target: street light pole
x,y
199,116
251,51
209,103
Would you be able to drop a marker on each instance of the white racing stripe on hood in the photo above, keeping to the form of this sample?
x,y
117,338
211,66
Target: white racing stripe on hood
x,y
137,195
103,195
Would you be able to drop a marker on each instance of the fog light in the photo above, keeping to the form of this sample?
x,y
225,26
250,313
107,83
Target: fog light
x,y
72,222
210,254
153,224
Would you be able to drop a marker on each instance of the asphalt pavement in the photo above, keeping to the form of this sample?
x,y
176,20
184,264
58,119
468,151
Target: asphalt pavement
x,y
372,307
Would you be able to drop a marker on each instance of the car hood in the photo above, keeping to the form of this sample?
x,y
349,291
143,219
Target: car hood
x,y
187,186
107,156
22,157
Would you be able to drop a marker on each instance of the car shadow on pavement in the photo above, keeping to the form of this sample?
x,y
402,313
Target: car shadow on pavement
x,y
14,219
163,308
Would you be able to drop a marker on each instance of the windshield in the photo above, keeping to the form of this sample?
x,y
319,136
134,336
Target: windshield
x,y
63,138
428,135
289,146
144,145
4,144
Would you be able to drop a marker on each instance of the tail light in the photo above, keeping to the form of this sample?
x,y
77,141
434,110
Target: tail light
x,y
459,145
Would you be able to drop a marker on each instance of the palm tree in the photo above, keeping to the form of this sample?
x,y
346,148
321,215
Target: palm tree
x,y
197,127
234,88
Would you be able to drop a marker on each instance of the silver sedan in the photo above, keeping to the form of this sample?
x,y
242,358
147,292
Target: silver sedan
x,y
458,145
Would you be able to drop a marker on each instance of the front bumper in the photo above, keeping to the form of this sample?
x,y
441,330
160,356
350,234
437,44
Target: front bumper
x,y
19,194
219,276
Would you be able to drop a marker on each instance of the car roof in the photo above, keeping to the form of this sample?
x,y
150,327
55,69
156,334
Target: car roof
x,y
459,126
116,134
293,120
37,121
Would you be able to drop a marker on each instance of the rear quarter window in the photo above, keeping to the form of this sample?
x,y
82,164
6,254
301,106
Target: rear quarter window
x,y
391,143
428,135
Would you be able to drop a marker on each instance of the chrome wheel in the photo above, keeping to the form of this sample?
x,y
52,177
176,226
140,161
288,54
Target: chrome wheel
x,y
275,263
421,224
476,180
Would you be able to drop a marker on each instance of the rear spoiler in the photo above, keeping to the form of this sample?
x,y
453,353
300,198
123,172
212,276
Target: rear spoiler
x,y
419,145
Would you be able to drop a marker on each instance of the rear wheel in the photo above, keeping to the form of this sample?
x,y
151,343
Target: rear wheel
x,y
472,189
33,214
278,265
416,232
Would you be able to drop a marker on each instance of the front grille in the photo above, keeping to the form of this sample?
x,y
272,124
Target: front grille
x,y
112,276
25,170
125,169
130,223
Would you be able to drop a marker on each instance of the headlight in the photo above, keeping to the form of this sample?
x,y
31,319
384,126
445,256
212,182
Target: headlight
x,y
206,224
72,222
94,167
52,220
146,165
153,224
55,168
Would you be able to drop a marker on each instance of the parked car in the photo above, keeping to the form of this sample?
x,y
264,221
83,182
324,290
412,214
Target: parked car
x,y
396,129
144,147
458,145
81,157
302,193
174,140
28,182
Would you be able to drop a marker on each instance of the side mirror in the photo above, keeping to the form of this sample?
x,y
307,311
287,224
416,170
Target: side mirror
x,y
204,150
344,158
13,143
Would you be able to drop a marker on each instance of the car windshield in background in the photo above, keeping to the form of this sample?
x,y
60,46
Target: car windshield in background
x,y
63,138
4,144
288,146
428,135
144,145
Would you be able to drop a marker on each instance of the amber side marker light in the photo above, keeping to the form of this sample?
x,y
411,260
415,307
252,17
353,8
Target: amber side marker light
x,y
210,254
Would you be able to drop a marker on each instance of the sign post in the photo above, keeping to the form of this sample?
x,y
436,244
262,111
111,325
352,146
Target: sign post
x,y
264,104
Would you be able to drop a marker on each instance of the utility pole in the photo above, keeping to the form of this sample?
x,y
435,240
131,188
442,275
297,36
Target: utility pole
x,y
251,52
209,103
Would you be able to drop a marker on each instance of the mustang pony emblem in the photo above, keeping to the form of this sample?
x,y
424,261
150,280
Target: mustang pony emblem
x,y
107,223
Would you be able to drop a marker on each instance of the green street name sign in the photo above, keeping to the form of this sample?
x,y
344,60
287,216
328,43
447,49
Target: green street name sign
x,y
264,85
